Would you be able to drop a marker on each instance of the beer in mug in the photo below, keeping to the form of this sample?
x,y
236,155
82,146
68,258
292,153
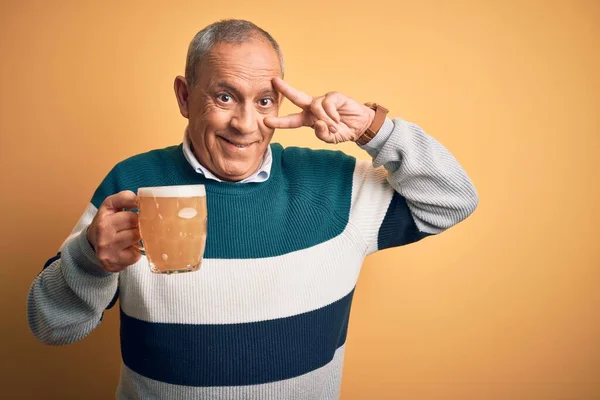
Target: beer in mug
x,y
172,223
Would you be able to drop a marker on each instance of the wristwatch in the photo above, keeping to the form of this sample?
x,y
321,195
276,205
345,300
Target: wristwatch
x,y
378,120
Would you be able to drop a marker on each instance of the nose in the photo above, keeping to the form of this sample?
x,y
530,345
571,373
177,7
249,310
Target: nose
x,y
245,119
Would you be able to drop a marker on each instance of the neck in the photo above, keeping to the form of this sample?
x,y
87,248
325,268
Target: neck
x,y
222,177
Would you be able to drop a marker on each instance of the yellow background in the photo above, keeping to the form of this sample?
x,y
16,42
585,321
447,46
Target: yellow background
x,y
504,306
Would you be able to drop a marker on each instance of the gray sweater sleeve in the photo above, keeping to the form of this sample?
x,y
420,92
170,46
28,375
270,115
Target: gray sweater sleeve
x,y
436,188
412,188
67,299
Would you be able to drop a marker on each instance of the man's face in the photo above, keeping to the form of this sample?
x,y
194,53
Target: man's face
x,y
232,95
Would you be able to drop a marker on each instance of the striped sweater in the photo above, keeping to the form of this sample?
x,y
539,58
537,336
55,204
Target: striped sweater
x,y
266,316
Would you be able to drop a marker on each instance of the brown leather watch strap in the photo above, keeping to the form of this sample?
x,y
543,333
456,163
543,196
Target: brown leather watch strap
x,y
378,120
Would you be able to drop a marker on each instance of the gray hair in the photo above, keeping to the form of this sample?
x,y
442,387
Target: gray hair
x,y
226,31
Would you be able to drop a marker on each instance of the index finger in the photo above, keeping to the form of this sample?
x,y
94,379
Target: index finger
x,y
121,200
297,97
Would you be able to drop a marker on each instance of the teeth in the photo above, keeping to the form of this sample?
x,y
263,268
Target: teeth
x,y
240,146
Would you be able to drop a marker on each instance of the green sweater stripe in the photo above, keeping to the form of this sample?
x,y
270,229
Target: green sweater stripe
x,y
305,202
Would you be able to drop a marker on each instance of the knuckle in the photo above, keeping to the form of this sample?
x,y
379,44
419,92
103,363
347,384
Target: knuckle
x,y
315,106
101,224
107,202
133,218
126,194
102,246
104,259
103,227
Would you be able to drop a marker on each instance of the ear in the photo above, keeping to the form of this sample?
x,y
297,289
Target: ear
x,y
182,93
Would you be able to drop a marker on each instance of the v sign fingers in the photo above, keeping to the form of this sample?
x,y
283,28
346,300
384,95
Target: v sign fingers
x,y
335,117
297,97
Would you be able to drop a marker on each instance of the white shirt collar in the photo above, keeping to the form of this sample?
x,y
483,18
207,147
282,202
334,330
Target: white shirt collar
x,y
260,175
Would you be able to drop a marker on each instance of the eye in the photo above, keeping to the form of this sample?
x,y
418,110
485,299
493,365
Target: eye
x,y
265,102
224,98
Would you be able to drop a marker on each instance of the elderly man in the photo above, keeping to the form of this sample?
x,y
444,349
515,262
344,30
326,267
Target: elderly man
x,y
288,229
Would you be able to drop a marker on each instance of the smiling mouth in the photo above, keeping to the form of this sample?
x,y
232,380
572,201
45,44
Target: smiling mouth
x,y
237,144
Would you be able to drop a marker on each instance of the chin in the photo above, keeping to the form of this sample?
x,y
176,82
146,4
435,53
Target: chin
x,y
236,174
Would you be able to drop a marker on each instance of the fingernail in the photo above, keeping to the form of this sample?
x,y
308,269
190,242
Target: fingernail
x,y
332,129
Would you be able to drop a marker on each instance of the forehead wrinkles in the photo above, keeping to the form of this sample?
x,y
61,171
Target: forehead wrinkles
x,y
246,81
247,58
237,69
252,51
259,59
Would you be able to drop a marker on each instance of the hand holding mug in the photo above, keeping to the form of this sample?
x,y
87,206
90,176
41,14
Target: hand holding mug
x,y
114,232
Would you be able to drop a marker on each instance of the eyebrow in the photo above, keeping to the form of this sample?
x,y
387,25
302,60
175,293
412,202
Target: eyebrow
x,y
228,87
236,92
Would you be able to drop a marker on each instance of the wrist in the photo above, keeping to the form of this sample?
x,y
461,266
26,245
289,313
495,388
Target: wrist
x,y
80,255
376,120
89,238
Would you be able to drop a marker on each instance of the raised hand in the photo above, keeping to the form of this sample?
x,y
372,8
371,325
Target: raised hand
x,y
335,117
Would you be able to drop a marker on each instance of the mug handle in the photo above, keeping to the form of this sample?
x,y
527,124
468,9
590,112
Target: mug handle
x,y
139,247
